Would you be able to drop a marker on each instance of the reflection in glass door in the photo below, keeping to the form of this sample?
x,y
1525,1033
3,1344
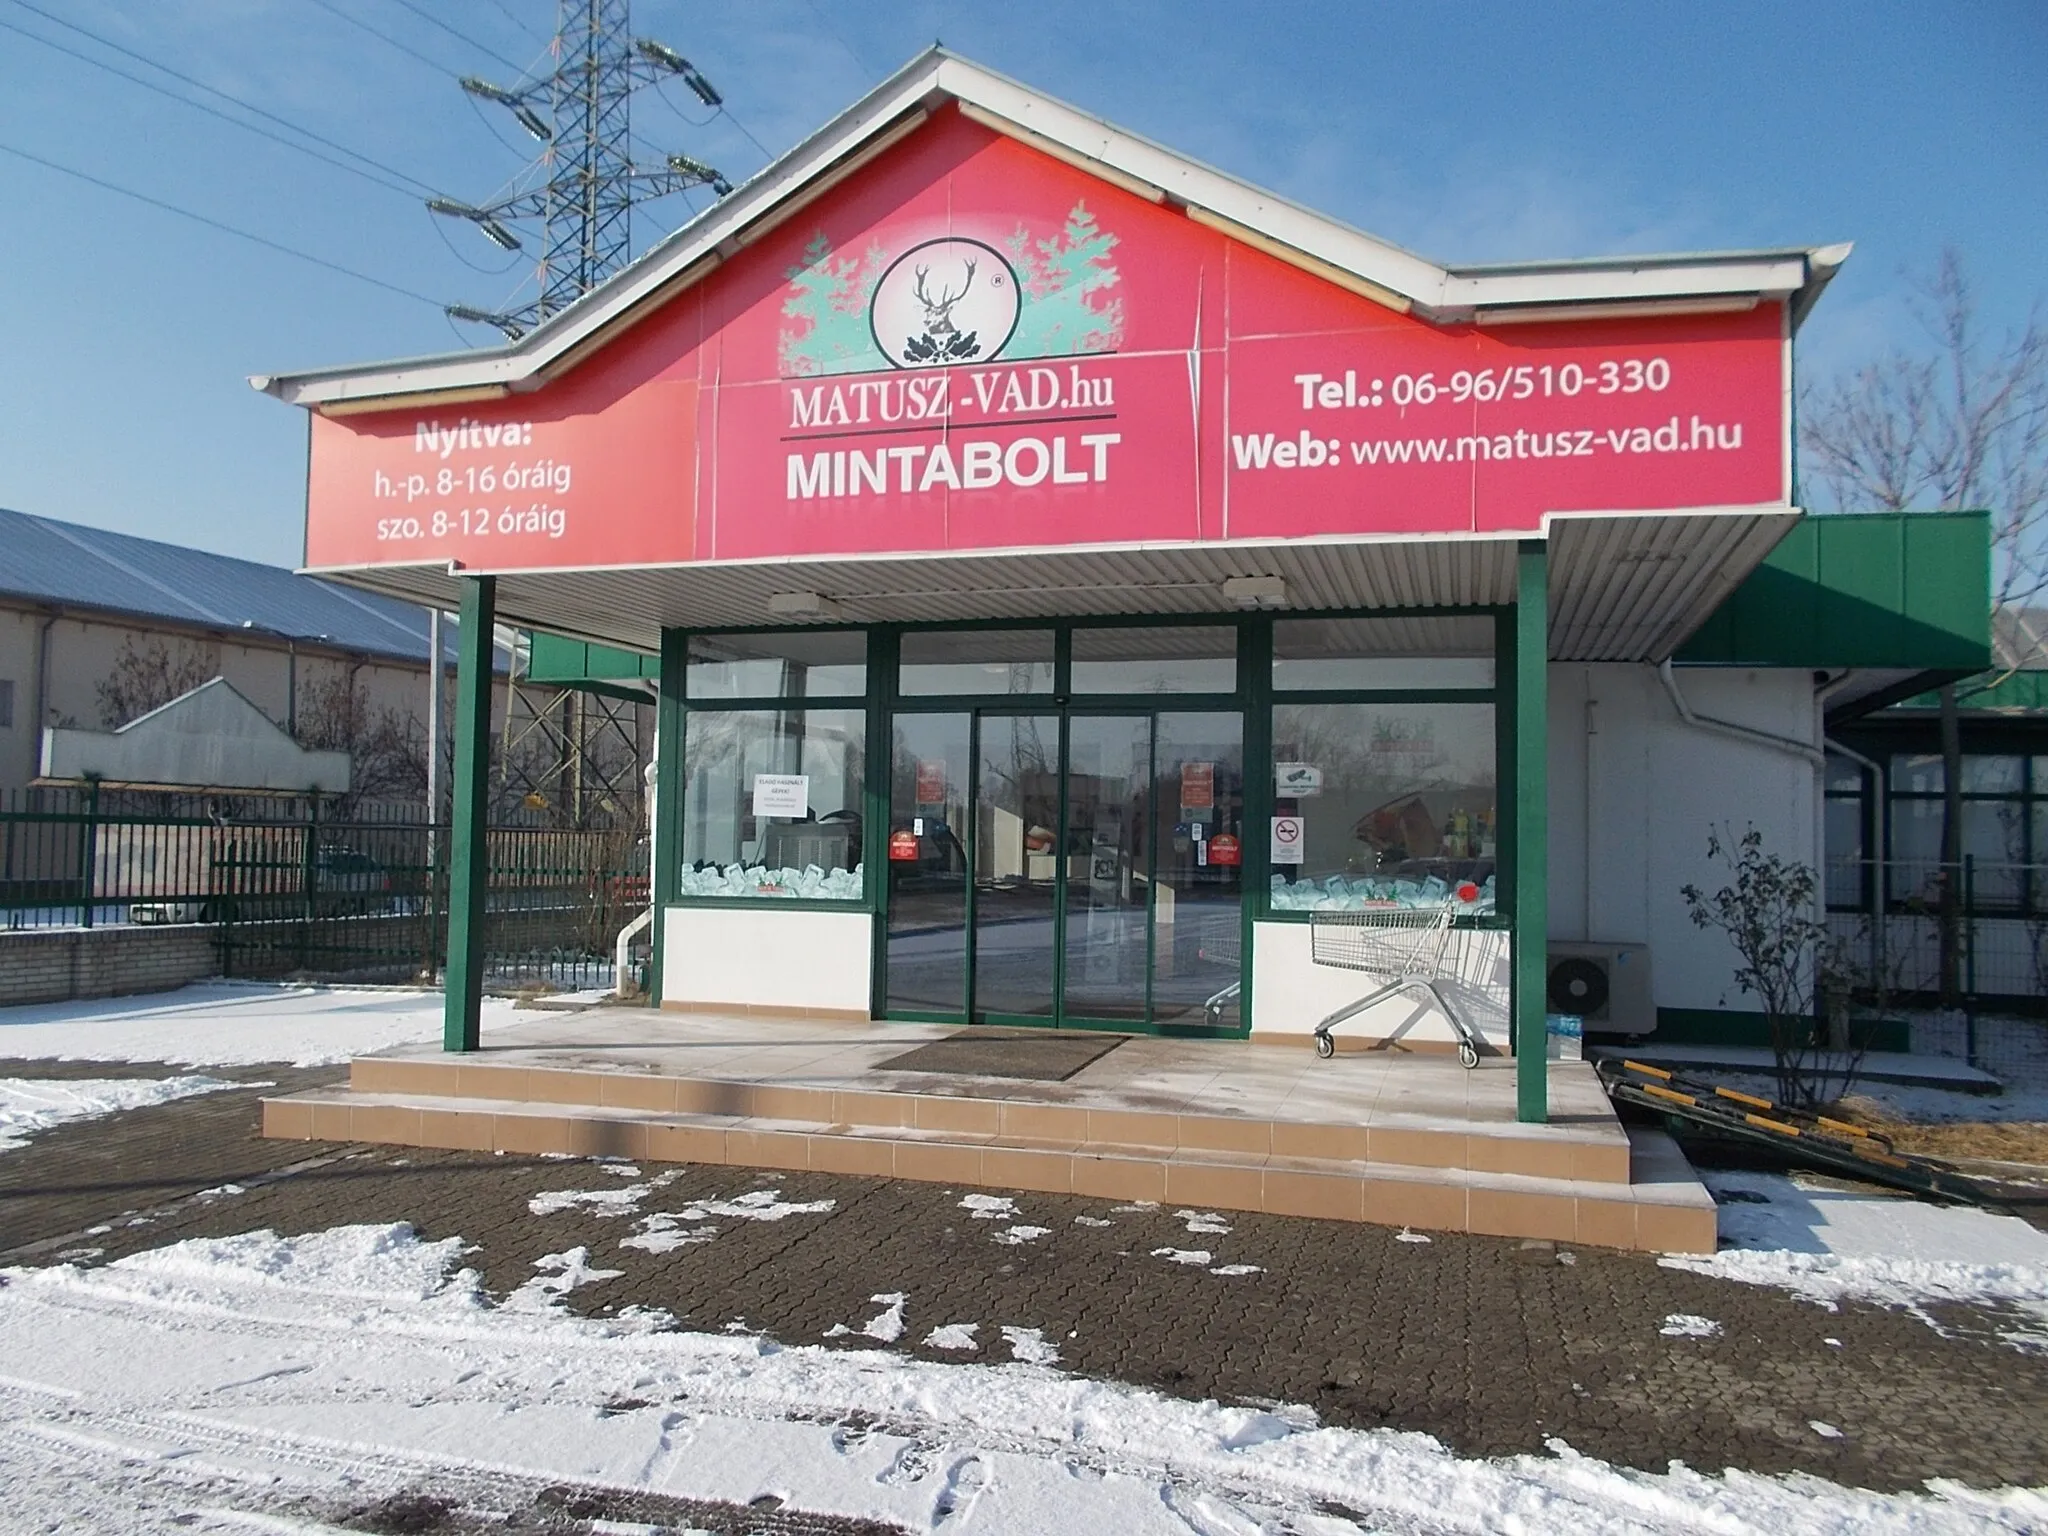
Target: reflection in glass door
x,y
1108,866
1016,863
1198,883
931,780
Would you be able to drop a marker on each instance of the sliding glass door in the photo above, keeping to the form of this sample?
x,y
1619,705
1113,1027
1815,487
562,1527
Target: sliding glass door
x,y
1080,867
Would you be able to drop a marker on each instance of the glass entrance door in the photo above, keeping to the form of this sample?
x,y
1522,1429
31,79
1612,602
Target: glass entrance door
x,y
1108,868
1016,869
1079,868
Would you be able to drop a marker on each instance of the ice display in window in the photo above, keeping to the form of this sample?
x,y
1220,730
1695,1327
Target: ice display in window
x,y
810,883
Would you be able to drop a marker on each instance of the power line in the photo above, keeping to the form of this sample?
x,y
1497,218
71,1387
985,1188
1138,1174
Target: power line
x,y
838,37
214,112
431,19
105,42
212,223
383,37
506,11
726,112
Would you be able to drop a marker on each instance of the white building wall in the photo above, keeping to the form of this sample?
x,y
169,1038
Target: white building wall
x,y
1635,790
769,957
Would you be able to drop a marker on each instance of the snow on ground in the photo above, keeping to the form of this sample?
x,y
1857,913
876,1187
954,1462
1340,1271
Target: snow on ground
x,y
31,1104
199,1385
1944,1106
227,1024
1828,1244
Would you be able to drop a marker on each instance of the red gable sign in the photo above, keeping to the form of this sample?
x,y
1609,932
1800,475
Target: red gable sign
x,y
970,345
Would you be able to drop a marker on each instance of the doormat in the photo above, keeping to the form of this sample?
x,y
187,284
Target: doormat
x,y
1041,1055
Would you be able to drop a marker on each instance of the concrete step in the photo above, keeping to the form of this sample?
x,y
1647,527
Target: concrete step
x,y
1662,1207
1596,1152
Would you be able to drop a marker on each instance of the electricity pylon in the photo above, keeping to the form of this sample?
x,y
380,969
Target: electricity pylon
x,y
582,188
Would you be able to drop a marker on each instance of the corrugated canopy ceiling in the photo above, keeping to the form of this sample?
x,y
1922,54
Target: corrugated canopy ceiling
x,y
1621,588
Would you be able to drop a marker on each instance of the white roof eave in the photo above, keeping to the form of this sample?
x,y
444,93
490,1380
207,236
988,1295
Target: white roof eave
x,y
1435,292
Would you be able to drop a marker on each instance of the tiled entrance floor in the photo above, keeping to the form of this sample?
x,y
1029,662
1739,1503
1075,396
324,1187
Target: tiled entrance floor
x,y
1372,1136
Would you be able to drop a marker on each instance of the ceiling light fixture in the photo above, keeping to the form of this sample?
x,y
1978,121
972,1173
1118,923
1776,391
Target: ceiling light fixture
x,y
802,605
1256,591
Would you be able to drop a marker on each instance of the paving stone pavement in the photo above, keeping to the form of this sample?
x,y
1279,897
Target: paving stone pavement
x,y
1493,1346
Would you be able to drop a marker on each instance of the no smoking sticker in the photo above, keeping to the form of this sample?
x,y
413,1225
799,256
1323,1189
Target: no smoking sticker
x,y
1287,839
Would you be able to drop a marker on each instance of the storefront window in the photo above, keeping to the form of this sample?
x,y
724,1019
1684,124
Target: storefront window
x,y
1396,802
788,664
772,803
1388,653
1998,815
1192,658
975,662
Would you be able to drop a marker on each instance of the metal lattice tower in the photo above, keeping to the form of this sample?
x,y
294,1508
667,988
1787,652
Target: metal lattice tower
x,y
582,189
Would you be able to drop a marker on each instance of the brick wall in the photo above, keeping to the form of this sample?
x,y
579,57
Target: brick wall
x,y
58,964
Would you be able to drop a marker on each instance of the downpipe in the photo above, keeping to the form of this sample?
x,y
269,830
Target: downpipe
x,y
1730,729
623,950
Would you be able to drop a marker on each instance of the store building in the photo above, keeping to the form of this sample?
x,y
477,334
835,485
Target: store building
x,y
1070,566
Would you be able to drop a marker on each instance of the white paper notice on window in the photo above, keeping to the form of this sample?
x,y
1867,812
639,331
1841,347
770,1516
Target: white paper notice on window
x,y
1287,839
782,794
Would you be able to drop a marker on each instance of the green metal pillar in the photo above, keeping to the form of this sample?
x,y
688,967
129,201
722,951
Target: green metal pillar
x,y
1529,694
469,863
666,834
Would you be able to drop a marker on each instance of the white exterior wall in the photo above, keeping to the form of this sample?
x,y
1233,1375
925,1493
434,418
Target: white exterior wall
x,y
772,957
1639,820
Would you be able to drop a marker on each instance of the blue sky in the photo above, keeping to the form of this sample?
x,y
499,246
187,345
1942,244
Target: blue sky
x,y
1470,132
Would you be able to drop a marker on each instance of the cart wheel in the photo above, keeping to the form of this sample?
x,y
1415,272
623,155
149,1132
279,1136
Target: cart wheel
x,y
1468,1053
1325,1047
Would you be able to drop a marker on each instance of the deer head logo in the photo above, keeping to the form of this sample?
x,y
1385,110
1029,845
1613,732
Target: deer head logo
x,y
950,300
938,313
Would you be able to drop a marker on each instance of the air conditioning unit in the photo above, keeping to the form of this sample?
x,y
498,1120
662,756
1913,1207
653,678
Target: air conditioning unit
x,y
1607,985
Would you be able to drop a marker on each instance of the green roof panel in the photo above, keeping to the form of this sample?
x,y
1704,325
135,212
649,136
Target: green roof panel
x,y
580,664
1876,589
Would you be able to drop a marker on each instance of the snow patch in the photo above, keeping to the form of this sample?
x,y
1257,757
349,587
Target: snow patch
x,y
759,1205
887,1326
1200,1256
1830,1245
1405,1236
229,1024
560,1273
1016,1235
663,1233
32,1104
958,1336
1092,1221
1029,1346
1690,1325
988,1207
594,1202
1238,1269
1204,1221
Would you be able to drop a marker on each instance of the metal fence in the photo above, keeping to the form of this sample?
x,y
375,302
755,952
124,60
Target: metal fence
x,y
1960,950
294,888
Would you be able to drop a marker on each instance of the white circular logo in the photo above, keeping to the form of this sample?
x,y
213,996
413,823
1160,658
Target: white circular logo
x,y
946,301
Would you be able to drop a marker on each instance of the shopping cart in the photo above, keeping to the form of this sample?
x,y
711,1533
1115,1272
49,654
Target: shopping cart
x,y
1403,947
1224,949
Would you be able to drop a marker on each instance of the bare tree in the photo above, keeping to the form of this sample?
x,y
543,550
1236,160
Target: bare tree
x,y
387,750
1785,959
1961,424
150,675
